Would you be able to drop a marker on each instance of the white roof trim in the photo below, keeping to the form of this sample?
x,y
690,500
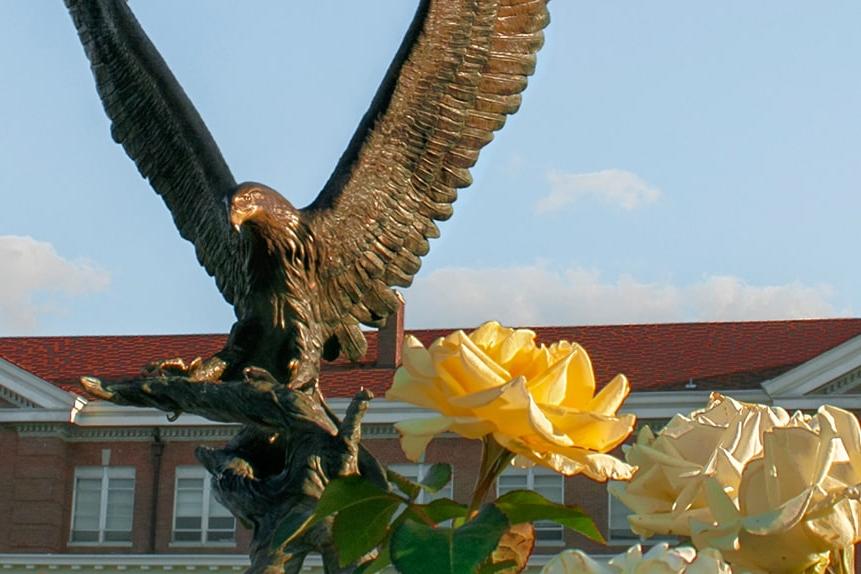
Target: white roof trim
x,y
646,405
35,390
817,372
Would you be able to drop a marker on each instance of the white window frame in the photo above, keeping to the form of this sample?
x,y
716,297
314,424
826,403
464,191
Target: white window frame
x,y
103,473
422,468
192,471
629,537
530,473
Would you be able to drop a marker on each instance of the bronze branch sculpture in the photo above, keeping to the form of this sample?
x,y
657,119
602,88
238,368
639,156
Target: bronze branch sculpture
x,y
303,280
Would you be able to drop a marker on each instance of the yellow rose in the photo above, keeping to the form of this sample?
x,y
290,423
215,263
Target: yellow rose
x,y
717,441
660,559
538,402
796,504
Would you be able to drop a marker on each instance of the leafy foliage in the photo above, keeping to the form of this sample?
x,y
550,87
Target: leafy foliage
x,y
417,547
527,506
498,539
436,477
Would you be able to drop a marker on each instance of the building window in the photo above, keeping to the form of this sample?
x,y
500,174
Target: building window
x,y
198,518
103,504
545,482
416,473
617,520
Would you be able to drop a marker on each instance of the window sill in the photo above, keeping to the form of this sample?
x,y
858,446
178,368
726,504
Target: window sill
x,y
100,544
231,544
645,542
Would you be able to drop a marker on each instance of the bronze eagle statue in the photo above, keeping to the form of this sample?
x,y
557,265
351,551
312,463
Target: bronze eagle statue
x,y
302,281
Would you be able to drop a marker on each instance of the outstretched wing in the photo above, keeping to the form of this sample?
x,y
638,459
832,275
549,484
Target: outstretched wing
x,y
160,130
459,72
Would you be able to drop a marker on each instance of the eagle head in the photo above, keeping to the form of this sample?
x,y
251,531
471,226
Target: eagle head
x,y
260,204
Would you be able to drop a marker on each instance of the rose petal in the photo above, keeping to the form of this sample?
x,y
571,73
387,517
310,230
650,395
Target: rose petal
x,y
489,334
421,392
791,456
611,397
592,431
417,433
511,408
574,562
847,427
669,524
417,359
571,461
581,380
550,386
518,343
461,360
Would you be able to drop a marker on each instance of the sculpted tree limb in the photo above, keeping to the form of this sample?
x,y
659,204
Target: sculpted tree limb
x,y
277,467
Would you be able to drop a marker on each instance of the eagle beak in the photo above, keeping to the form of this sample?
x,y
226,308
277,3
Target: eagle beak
x,y
235,221
238,216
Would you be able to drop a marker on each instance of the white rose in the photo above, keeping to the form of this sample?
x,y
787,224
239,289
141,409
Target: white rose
x,y
717,441
661,559
797,505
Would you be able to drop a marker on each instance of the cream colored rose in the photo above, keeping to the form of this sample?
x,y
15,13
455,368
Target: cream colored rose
x,y
796,504
538,402
660,559
717,441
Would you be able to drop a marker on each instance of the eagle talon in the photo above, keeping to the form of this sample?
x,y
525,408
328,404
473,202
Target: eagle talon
x,y
166,367
197,370
258,375
94,386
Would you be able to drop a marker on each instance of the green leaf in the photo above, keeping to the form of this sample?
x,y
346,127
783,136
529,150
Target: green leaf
x,y
347,491
493,568
440,510
405,485
417,548
360,527
377,564
528,506
437,476
340,494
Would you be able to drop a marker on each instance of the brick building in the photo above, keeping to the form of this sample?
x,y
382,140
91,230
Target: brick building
x,y
89,486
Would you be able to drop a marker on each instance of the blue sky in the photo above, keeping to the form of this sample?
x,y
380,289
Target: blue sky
x,y
672,161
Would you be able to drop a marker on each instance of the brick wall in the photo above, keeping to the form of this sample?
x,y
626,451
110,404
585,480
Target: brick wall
x,y
8,452
39,474
37,494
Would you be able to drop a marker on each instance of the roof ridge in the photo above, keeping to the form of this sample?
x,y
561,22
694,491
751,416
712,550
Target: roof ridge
x,y
449,329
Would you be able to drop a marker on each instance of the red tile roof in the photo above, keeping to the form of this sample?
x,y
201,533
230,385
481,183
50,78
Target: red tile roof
x,y
654,357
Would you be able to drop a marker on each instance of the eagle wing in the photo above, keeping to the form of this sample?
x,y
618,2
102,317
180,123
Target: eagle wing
x,y
457,75
157,125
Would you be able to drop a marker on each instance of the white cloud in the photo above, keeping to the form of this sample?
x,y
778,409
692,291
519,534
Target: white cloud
x,y
539,295
34,279
618,187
